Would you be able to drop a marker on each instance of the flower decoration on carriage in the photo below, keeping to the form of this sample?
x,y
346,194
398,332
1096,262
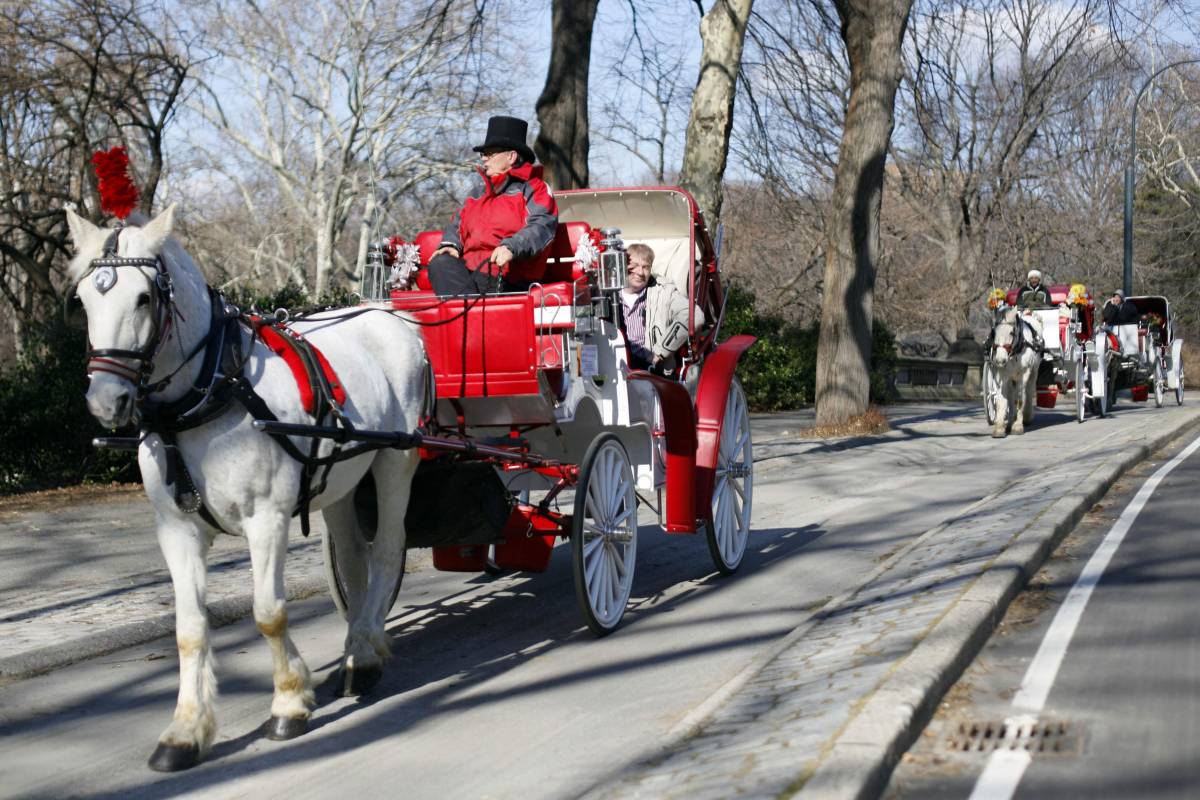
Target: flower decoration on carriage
x,y
587,253
405,259
1153,321
1078,295
995,298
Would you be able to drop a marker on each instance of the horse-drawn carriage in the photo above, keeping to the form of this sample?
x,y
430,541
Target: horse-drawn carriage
x,y
484,411
1145,356
535,395
1058,338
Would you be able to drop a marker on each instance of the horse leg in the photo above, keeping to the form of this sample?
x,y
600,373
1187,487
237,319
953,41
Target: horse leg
x,y
1019,393
1000,427
1031,395
190,735
293,699
368,645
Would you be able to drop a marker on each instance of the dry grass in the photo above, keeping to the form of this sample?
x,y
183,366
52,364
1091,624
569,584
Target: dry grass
x,y
869,424
50,499
1191,364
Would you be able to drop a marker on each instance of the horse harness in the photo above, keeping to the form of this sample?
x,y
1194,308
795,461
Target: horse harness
x,y
221,382
1020,340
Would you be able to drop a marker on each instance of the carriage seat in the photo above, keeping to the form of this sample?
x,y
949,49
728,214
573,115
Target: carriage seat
x,y
556,262
1058,294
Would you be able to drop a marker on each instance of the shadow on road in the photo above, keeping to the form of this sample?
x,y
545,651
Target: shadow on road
x,y
445,656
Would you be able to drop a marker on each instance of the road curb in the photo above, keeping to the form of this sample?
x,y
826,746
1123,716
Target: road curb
x,y
221,612
860,762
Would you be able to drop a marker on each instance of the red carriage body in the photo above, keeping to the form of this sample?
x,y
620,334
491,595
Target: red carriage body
x,y
537,383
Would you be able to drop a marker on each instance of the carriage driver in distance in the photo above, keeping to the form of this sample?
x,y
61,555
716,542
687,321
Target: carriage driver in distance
x,y
1119,311
1034,294
505,222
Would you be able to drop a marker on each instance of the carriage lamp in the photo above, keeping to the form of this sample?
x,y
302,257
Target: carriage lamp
x,y
373,271
614,261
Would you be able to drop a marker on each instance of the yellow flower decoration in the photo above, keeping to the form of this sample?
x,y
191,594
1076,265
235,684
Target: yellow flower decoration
x,y
1078,294
996,298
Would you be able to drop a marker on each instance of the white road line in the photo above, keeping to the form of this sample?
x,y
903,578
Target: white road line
x,y
1004,769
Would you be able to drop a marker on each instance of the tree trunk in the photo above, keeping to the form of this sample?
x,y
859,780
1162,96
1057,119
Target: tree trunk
x,y
873,31
562,111
723,30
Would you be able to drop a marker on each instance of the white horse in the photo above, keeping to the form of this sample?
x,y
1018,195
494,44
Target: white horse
x,y
149,316
1015,357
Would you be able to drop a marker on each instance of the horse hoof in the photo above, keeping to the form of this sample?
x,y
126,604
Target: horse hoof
x,y
280,729
359,680
173,758
997,434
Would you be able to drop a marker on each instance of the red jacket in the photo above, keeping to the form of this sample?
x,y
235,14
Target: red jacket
x,y
515,209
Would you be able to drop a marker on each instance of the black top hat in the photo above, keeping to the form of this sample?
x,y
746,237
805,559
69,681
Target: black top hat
x,y
507,133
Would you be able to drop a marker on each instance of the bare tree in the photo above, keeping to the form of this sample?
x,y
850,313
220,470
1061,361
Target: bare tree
x,y
76,76
562,108
982,83
642,115
723,31
873,31
345,107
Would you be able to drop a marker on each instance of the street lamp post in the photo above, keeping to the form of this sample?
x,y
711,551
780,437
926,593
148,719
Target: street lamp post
x,y
1129,166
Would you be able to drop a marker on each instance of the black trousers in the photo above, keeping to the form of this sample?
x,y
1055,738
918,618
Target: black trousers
x,y
450,277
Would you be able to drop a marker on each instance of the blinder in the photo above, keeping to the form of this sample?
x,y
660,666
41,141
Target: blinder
x,y
104,274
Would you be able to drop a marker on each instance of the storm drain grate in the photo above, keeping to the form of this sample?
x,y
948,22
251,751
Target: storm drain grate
x,y
1044,737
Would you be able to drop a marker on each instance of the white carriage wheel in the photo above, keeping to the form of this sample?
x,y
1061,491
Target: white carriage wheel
x,y
990,390
604,534
733,485
1080,387
1178,367
1110,389
334,572
1098,379
1160,382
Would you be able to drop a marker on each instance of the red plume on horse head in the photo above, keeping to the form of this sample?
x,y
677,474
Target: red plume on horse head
x,y
118,195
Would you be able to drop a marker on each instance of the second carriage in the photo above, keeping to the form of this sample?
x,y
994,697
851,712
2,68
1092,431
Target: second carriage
x,y
1146,356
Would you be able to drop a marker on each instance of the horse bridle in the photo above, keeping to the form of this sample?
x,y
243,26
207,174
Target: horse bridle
x,y
163,298
1018,340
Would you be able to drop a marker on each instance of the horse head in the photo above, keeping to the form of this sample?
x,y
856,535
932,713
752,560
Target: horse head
x,y
126,281
1005,337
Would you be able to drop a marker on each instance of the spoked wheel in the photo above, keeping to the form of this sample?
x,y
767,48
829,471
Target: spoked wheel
x,y
1110,389
604,534
1160,383
1179,383
991,389
337,566
733,488
1098,377
1080,388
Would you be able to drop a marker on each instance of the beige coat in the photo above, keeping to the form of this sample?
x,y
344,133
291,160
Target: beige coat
x,y
667,319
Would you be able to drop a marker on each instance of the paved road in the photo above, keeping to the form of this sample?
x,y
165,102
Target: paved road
x,y
497,691
1126,691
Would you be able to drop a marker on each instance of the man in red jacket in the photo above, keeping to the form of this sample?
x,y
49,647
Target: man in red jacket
x,y
495,239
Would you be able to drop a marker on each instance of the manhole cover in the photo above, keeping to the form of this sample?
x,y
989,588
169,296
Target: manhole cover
x,y
1043,737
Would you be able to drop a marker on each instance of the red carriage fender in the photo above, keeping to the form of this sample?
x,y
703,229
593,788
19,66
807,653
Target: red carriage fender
x,y
711,393
679,429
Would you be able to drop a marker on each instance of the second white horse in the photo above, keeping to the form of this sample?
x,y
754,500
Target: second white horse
x,y
1015,357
